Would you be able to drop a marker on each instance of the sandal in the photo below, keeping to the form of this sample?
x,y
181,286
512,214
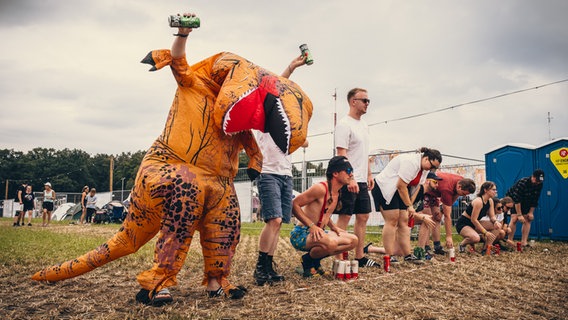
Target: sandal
x,y
159,299
235,293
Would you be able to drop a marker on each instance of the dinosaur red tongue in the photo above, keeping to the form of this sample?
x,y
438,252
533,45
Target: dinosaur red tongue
x,y
247,113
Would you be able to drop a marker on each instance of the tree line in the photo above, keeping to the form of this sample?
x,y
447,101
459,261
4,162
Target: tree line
x,y
69,170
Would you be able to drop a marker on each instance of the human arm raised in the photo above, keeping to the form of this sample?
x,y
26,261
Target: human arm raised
x,y
298,61
178,47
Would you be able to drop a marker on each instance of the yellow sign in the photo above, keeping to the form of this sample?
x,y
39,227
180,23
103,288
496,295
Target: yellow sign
x,y
559,158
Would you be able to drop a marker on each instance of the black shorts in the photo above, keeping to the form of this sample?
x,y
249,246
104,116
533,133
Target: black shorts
x,y
381,202
48,206
462,222
355,203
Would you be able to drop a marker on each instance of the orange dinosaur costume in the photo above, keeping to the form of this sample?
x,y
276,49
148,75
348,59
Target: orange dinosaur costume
x,y
185,181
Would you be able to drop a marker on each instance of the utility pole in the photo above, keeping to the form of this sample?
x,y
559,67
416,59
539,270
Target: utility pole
x,y
334,120
111,173
549,118
6,195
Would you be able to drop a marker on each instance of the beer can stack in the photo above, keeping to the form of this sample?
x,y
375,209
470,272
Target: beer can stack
x,y
346,270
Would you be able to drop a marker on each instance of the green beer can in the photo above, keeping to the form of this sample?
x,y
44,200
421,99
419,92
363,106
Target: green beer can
x,y
177,21
306,52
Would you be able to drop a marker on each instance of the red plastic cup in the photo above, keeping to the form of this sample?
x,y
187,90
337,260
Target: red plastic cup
x,y
488,250
411,222
519,247
387,263
452,255
345,255
497,249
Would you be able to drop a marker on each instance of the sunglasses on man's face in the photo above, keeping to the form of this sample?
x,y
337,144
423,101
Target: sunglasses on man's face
x,y
363,100
349,170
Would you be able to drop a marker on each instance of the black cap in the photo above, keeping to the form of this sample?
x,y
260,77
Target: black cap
x,y
432,175
539,175
338,164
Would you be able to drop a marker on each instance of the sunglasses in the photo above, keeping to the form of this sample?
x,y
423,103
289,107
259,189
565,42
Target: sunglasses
x,y
499,208
349,170
363,100
432,165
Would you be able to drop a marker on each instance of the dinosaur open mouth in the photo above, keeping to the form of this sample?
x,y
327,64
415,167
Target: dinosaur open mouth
x,y
247,114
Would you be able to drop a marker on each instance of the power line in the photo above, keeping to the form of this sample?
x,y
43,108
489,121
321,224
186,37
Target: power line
x,y
468,103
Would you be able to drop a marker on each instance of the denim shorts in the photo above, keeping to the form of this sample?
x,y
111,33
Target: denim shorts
x,y
275,193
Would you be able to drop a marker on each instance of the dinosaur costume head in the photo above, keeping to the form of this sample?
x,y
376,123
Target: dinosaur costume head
x,y
185,181
254,98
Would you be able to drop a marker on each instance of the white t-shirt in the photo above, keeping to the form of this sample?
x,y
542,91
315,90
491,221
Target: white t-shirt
x,y
273,160
499,217
353,135
406,167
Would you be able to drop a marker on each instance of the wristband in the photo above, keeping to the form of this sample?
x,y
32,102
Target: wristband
x,y
311,225
181,35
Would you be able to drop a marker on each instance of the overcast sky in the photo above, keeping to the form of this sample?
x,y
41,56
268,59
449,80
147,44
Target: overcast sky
x,y
71,78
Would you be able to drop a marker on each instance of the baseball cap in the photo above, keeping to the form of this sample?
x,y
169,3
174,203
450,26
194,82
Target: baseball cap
x,y
338,164
432,175
47,184
539,175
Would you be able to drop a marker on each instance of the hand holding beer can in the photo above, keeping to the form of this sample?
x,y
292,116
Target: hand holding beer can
x,y
306,52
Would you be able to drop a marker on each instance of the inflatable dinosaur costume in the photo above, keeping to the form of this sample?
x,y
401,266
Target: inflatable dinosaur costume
x,y
185,181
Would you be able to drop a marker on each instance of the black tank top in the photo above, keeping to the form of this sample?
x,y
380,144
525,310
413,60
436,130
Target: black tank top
x,y
482,213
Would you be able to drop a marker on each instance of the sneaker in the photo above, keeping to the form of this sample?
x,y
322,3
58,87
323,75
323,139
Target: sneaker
x,y
29,224
393,259
427,248
428,256
366,262
274,276
413,259
419,253
309,269
461,248
439,250
261,275
366,248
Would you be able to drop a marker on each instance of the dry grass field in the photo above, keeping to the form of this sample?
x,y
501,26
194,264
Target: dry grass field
x,y
528,285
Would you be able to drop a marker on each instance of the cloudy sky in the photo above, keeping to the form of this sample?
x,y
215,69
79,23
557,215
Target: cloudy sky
x,y
71,76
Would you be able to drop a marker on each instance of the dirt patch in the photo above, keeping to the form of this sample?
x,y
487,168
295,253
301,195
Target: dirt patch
x,y
528,285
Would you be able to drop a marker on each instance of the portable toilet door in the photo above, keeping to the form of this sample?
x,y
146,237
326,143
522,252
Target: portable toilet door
x,y
507,164
552,158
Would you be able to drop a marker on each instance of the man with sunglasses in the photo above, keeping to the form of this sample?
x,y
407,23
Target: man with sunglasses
x,y
450,187
313,209
525,194
352,141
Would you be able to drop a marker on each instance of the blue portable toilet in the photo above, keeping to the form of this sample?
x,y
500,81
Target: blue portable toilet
x,y
506,164
552,158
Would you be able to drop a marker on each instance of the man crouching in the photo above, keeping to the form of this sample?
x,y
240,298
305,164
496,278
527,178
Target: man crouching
x,y
313,208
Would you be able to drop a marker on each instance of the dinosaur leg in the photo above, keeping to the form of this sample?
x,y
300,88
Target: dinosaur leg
x,y
219,236
182,209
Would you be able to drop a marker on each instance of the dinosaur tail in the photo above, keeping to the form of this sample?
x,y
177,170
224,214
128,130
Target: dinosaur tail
x,y
119,245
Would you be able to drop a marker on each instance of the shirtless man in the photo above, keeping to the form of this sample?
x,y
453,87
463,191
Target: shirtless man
x,y
313,209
